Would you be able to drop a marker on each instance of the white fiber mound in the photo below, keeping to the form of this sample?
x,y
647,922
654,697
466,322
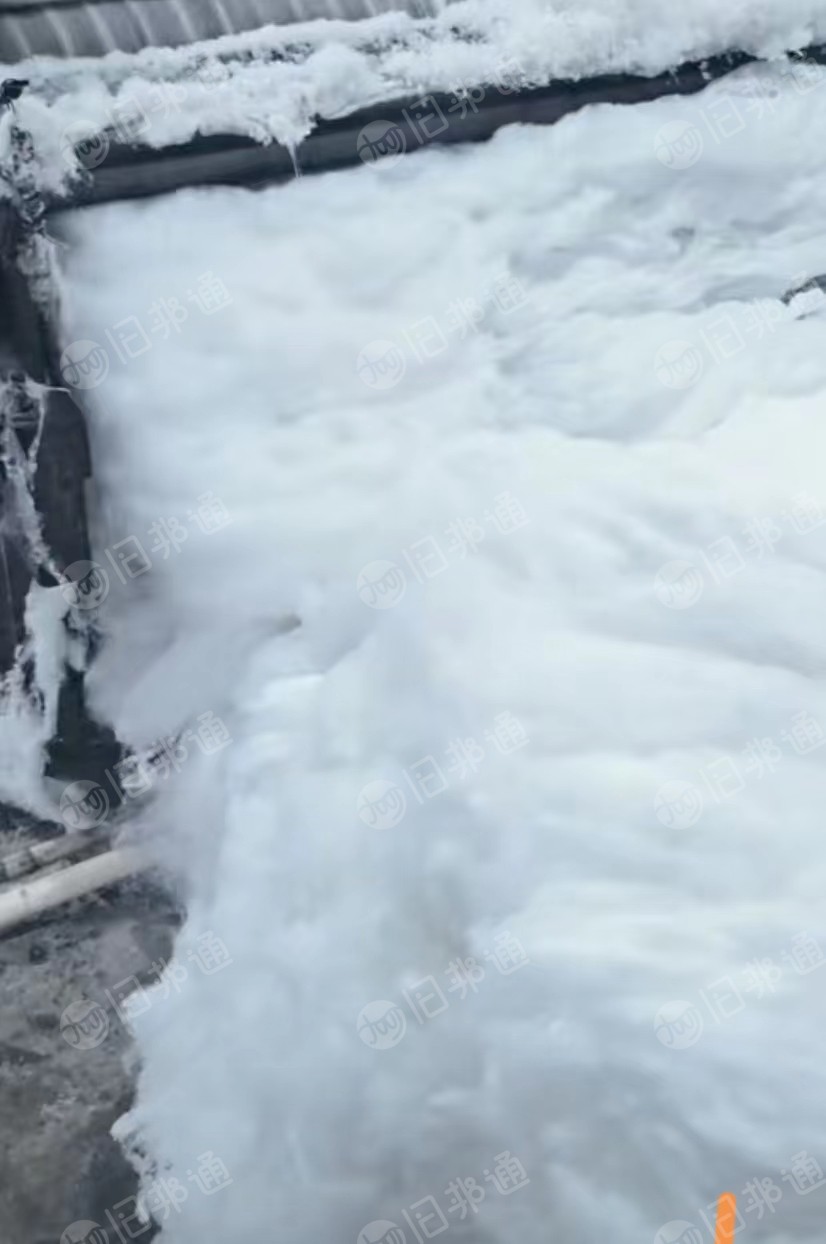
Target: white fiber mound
x,y
654,617
327,68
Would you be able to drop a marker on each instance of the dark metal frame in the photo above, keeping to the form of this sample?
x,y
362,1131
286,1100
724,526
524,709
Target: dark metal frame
x,y
135,171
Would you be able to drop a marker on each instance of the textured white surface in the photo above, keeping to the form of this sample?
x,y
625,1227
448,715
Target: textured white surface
x,y
560,403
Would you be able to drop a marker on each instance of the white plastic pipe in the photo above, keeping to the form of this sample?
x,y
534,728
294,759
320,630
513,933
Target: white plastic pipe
x,y
25,902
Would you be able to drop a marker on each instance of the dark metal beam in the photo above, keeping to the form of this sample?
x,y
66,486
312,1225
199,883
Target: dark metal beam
x,y
130,172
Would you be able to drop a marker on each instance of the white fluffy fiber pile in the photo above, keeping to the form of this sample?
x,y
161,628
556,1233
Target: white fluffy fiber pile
x,y
550,381
332,67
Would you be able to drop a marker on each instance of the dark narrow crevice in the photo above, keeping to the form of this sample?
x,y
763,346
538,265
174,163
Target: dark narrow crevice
x,y
46,455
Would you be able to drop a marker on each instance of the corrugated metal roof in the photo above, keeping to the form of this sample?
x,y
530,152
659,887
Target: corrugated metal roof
x,y
94,27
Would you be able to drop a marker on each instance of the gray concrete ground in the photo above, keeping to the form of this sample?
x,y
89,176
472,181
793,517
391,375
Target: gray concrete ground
x,y
58,1100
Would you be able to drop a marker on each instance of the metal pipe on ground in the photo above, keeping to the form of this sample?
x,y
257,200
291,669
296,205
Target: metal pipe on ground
x,y
27,902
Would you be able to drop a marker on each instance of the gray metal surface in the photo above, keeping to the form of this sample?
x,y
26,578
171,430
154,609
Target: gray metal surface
x,y
94,27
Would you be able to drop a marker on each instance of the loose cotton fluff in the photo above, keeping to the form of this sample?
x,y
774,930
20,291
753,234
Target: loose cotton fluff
x,y
516,631
276,82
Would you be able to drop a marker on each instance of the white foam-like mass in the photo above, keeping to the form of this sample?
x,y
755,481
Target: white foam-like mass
x,y
657,416
28,716
276,82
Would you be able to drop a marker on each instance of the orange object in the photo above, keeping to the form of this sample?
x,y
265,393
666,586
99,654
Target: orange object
x,y
726,1218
